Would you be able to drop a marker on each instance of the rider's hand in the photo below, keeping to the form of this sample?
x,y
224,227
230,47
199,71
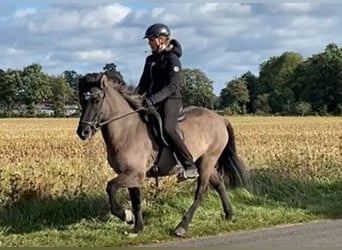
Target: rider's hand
x,y
148,105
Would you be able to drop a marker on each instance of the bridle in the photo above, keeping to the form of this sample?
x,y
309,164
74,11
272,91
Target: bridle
x,y
96,123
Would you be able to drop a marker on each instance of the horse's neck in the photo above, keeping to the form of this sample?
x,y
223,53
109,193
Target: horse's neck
x,y
124,129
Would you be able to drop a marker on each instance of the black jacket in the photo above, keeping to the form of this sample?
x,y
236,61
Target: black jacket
x,y
161,76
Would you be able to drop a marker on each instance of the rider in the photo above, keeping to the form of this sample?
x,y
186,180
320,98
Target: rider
x,y
160,83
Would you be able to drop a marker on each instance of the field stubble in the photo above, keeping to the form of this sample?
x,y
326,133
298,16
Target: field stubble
x,y
44,158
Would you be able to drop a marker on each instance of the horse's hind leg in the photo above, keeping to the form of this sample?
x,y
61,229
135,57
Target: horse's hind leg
x,y
132,181
200,191
216,180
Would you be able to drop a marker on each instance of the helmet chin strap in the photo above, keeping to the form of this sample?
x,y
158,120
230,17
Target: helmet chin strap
x,y
161,47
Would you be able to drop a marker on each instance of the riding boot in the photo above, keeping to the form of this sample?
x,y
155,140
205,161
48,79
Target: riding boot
x,y
189,168
170,113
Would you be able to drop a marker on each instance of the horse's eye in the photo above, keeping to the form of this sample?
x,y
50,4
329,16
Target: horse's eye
x,y
99,96
96,98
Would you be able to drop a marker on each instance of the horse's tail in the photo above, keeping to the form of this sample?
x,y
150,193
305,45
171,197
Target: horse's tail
x,y
233,169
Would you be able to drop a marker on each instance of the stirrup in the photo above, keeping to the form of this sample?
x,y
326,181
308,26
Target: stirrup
x,y
187,174
153,171
181,177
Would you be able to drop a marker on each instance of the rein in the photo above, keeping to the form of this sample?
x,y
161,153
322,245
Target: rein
x,y
115,118
96,122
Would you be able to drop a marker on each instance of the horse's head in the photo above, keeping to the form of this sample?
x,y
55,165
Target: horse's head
x,y
92,95
97,95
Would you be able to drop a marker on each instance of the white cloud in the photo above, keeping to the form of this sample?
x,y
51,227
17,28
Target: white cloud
x,y
59,20
227,9
296,7
24,12
223,39
12,51
97,55
104,16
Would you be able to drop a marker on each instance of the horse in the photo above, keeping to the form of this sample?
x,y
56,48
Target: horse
x,y
132,148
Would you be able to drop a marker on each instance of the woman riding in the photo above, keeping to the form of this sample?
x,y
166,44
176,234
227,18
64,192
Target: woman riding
x,y
160,83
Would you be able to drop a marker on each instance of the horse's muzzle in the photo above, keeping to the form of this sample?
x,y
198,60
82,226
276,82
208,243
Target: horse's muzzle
x,y
84,131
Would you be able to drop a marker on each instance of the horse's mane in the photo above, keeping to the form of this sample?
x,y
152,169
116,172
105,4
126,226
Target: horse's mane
x,y
128,93
133,99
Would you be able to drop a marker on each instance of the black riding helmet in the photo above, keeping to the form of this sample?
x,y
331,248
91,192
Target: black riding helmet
x,y
156,30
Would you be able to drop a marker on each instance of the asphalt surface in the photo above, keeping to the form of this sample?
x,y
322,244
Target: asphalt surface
x,y
314,234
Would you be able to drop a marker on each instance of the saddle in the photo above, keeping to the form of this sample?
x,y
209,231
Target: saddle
x,y
156,124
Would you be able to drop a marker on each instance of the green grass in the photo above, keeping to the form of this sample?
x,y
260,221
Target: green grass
x,y
84,220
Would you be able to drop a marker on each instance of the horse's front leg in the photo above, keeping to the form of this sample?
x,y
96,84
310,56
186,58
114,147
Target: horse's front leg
x,y
136,208
117,210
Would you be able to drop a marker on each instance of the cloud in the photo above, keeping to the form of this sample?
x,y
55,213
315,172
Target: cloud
x,y
223,39
59,20
24,12
96,55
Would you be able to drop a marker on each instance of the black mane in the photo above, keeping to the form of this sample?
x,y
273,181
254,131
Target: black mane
x,y
91,80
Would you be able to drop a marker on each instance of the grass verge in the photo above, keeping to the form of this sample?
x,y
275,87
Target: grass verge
x,y
84,220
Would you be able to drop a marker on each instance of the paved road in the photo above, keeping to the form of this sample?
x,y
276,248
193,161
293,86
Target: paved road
x,y
314,234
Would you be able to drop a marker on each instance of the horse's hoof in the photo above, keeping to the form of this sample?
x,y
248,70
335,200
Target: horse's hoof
x,y
227,217
180,231
129,216
131,235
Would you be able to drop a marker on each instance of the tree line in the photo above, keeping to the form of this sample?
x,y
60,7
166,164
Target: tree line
x,y
286,85
28,91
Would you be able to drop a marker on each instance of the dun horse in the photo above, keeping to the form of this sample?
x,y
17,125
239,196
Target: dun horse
x,y
131,147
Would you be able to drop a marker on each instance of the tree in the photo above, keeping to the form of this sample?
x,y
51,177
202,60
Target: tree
x,y
10,82
71,77
235,96
276,79
302,108
261,104
196,88
111,69
35,86
61,93
319,80
252,85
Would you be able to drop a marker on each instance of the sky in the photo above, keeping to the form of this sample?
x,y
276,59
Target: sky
x,y
224,40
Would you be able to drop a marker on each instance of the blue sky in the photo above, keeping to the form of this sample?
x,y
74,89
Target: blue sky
x,y
224,40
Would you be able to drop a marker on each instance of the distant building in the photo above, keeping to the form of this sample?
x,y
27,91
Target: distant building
x,y
69,110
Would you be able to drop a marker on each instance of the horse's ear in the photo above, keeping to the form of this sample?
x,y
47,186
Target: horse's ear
x,y
103,81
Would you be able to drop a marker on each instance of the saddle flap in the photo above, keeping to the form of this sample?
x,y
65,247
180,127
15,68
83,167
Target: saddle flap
x,y
156,124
